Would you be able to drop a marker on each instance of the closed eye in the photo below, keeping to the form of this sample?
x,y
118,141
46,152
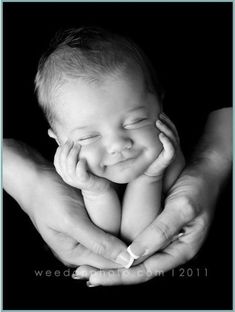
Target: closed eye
x,y
136,123
88,139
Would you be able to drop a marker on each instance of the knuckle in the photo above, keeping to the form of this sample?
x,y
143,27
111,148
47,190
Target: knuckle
x,y
108,247
187,209
99,248
67,222
162,230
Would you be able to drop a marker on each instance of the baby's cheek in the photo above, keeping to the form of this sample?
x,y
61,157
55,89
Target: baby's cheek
x,y
152,143
92,157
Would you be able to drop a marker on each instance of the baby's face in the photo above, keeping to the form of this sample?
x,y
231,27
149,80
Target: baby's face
x,y
114,122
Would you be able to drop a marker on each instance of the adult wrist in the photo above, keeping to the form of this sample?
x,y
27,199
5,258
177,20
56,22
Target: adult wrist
x,y
213,164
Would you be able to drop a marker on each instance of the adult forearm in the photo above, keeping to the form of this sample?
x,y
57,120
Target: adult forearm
x,y
214,151
21,168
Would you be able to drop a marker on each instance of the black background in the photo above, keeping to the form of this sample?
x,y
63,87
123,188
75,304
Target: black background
x,y
190,44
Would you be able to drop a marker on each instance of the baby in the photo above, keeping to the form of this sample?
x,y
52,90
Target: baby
x,y
103,104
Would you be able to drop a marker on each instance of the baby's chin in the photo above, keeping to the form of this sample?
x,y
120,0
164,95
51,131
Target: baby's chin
x,y
124,178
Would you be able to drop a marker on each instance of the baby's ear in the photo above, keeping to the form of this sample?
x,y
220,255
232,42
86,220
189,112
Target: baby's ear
x,y
53,135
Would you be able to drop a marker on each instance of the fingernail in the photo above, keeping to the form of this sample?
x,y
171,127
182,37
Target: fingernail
x,y
78,277
137,251
132,254
125,259
89,284
158,122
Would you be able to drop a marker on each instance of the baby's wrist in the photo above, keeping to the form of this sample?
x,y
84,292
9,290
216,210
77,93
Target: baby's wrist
x,y
149,178
153,174
154,178
95,193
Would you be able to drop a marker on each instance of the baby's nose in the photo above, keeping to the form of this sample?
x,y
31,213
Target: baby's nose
x,y
119,144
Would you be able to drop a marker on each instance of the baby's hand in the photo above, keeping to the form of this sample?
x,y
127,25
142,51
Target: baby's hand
x,y
170,141
74,171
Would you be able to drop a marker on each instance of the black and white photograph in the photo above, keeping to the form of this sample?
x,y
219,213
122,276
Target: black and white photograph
x,y
117,156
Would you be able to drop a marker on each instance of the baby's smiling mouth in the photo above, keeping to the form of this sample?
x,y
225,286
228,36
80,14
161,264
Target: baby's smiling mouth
x,y
121,160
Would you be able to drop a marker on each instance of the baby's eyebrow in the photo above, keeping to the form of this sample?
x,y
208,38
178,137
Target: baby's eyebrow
x,y
129,111
78,128
82,127
137,108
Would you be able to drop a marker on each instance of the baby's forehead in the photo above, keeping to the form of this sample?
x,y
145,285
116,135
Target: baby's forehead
x,y
125,88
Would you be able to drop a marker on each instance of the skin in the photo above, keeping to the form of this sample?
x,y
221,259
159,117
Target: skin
x,y
188,208
104,118
51,207
107,132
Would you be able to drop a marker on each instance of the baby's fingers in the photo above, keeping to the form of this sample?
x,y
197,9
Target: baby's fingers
x,y
72,160
167,132
56,160
168,152
81,171
60,157
165,119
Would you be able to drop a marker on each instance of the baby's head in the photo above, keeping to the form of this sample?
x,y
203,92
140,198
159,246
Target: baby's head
x,y
97,88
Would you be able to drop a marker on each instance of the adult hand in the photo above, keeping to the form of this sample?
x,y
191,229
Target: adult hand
x,y
188,208
57,210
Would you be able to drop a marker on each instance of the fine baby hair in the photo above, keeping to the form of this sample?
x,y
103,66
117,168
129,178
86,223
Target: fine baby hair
x,y
87,53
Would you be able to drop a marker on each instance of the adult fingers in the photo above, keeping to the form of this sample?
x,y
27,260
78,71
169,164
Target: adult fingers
x,y
162,230
84,272
99,242
154,266
81,256
134,275
177,253
181,250
68,251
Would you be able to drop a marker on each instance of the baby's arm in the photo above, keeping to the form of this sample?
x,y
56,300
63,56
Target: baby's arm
x,y
100,199
142,201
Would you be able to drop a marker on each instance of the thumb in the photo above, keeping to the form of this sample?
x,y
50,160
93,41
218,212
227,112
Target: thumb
x,y
164,229
100,242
